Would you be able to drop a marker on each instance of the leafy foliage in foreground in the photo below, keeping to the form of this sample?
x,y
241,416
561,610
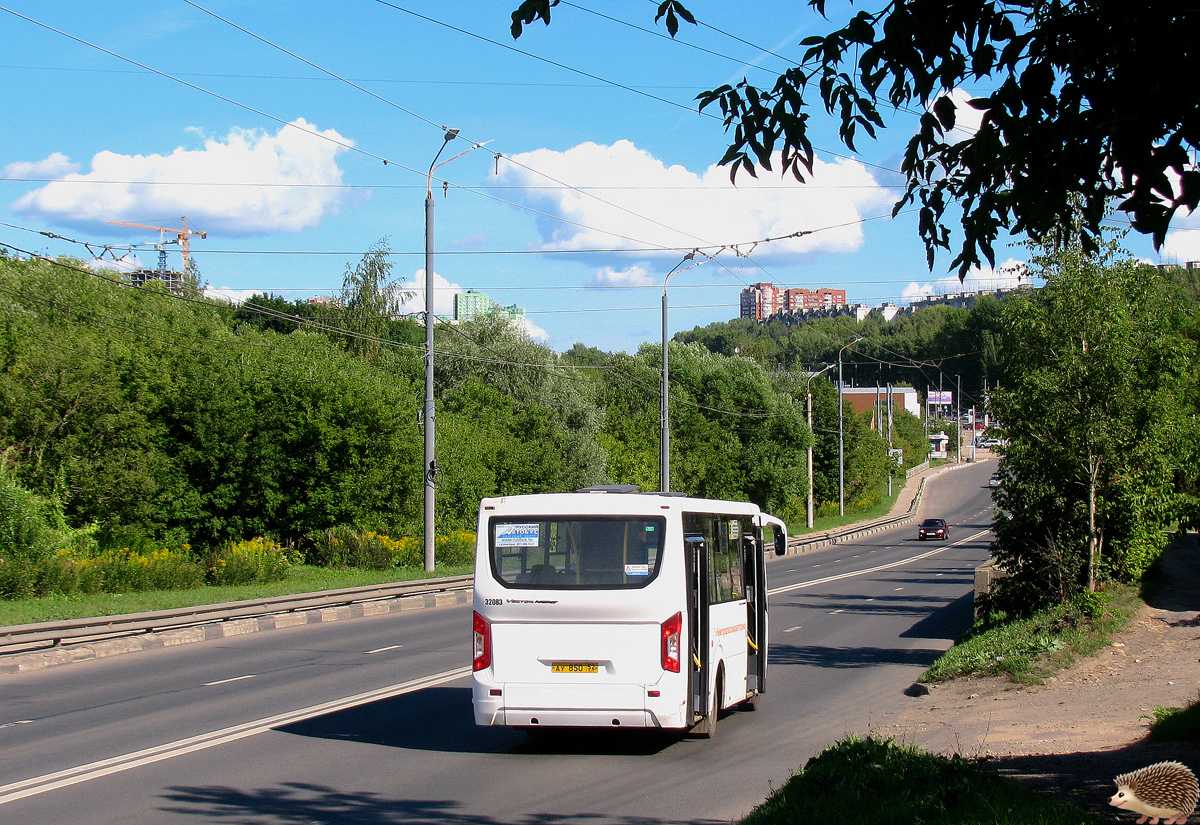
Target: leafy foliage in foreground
x,y
1077,110
873,780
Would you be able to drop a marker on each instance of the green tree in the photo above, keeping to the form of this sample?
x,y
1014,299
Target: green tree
x,y
1082,108
1090,390
370,298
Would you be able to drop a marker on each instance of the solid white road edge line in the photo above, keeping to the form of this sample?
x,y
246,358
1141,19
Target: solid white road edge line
x,y
95,770
790,587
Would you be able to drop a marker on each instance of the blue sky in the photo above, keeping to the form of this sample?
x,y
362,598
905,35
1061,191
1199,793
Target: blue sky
x,y
268,123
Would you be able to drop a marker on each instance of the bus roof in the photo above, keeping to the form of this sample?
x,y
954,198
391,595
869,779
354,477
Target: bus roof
x,y
602,502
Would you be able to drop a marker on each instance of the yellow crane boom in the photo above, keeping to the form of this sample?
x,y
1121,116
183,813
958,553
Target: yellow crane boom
x,y
181,235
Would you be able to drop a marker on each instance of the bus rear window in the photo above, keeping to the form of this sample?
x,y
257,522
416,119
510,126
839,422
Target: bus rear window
x,y
560,552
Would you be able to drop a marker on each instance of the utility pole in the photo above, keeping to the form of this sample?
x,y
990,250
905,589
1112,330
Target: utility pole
x,y
958,420
664,422
429,466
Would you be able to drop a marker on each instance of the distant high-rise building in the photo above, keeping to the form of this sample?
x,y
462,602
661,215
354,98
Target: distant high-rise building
x,y
471,304
761,301
173,280
823,298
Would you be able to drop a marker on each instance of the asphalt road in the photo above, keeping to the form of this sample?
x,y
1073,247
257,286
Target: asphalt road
x,y
369,721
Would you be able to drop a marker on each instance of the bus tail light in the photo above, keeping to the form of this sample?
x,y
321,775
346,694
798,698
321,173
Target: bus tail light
x,y
483,643
672,629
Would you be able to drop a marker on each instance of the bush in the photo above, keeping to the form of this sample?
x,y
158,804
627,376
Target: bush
x,y
455,550
856,779
32,531
344,546
256,561
27,521
124,569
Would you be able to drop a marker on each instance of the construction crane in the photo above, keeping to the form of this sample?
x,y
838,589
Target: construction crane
x,y
181,238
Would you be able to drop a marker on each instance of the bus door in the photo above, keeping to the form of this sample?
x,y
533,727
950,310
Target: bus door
x,y
756,610
698,657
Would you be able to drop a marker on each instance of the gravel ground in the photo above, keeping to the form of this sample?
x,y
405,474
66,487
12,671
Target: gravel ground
x,y
1070,736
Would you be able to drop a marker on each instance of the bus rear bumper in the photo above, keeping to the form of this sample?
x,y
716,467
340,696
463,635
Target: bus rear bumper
x,y
607,709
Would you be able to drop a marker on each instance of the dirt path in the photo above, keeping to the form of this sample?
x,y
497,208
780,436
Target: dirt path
x,y
1072,735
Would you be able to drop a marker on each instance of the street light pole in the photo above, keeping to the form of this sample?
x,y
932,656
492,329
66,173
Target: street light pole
x,y
811,437
841,435
429,467
664,442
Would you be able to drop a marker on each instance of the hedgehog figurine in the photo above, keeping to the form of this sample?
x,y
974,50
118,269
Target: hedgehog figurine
x,y
1167,789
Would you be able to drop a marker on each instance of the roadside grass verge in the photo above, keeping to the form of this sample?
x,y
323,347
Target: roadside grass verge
x,y
301,579
873,780
1176,724
1029,650
881,507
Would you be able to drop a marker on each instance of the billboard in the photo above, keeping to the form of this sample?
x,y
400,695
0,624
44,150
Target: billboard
x,y
937,397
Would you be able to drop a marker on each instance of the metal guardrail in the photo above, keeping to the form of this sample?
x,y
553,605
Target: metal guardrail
x,y
799,543
23,638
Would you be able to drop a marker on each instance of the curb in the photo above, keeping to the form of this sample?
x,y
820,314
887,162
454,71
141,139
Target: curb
x,y
66,654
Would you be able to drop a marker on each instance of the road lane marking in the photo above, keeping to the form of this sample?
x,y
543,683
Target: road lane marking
x,y
14,724
839,610
234,679
383,649
105,767
787,588
792,629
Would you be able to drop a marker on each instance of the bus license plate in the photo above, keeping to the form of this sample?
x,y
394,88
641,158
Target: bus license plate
x,y
574,667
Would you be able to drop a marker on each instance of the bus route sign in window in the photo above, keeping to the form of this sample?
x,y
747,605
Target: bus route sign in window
x,y
565,552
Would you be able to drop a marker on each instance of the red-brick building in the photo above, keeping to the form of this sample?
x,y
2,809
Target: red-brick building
x,y
761,301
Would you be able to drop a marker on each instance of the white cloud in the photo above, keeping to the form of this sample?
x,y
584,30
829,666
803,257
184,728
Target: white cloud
x,y
1182,246
248,182
233,296
634,276
443,294
1009,274
533,330
54,166
630,199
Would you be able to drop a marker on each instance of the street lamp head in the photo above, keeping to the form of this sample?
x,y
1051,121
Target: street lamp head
x,y
450,135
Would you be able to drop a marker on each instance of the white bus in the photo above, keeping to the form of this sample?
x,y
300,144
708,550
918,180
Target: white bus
x,y
615,608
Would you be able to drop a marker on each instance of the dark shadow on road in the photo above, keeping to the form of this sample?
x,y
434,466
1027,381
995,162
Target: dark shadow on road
x,y
299,803
441,719
849,657
950,622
